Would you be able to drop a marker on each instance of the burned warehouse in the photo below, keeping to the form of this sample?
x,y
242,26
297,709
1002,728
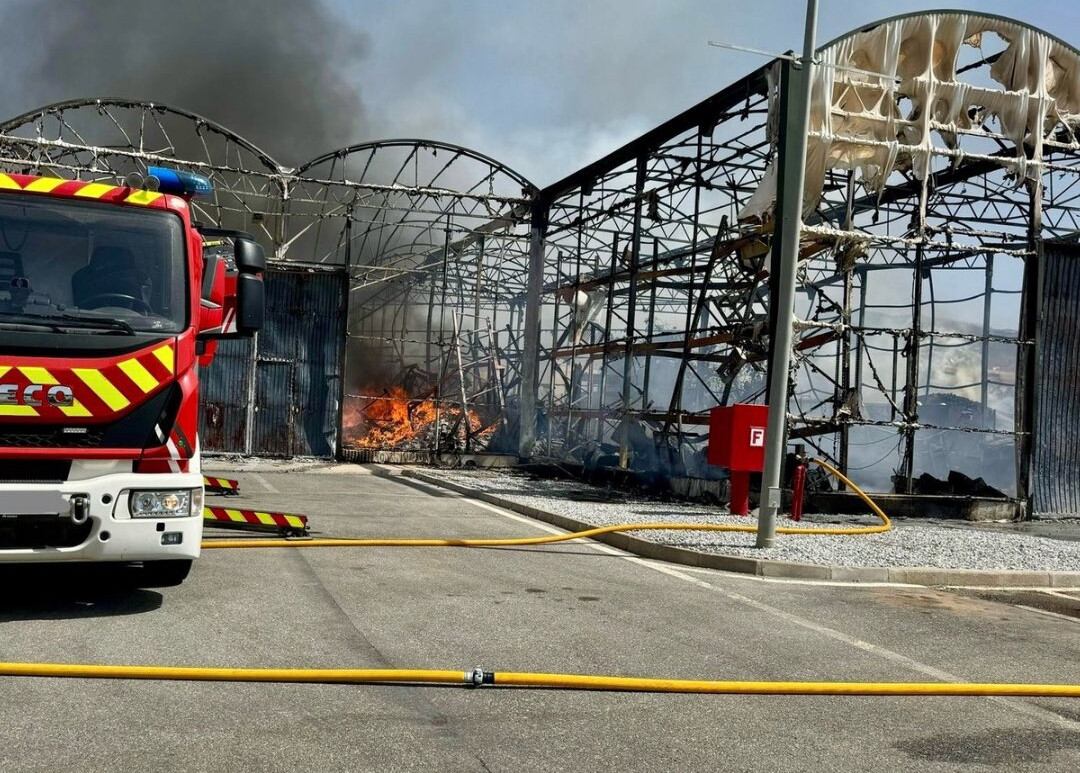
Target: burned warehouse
x,y
426,301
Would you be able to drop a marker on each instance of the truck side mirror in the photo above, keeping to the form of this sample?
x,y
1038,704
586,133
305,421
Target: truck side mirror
x,y
250,256
233,293
250,290
250,302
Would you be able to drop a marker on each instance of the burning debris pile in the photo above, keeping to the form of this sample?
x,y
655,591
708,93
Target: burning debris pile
x,y
450,401
393,420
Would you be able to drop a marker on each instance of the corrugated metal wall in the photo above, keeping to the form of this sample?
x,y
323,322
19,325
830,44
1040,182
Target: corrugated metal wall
x,y
297,373
1057,430
223,397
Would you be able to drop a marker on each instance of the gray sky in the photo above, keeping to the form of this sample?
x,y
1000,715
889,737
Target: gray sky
x,y
548,86
543,86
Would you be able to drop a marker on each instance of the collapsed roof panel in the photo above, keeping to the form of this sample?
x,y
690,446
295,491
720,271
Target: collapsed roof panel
x,y
893,96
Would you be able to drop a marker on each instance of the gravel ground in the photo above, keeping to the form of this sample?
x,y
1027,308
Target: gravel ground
x,y
910,543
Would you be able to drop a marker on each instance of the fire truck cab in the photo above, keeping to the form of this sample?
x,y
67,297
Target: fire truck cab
x,y
110,301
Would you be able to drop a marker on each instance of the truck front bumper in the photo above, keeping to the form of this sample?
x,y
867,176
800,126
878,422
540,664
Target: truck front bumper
x,y
113,535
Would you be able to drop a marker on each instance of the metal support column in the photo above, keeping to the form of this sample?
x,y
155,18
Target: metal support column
x,y
343,347
793,170
631,315
1027,353
988,294
530,361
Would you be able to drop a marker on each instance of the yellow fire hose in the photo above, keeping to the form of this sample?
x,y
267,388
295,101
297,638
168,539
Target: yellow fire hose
x,y
477,677
393,542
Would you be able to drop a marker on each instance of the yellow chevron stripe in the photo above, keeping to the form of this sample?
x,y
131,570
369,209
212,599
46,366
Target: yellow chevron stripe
x,y
143,197
41,376
17,410
165,356
134,370
102,387
94,190
45,184
38,375
76,410
292,520
4,369
236,515
266,519
8,184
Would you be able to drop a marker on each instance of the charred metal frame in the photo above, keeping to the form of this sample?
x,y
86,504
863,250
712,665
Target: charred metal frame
x,y
598,319
647,264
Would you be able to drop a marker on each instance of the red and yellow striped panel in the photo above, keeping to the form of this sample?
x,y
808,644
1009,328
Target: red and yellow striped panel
x,y
99,391
221,484
257,518
82,189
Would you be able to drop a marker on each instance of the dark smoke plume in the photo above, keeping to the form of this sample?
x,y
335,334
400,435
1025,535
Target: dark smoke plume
x,y
274,72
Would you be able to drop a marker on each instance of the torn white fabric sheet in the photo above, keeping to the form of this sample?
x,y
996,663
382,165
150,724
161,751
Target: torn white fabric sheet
x,y
889,98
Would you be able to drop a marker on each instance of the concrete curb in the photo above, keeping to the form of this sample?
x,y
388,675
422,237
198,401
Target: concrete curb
x,y
763,567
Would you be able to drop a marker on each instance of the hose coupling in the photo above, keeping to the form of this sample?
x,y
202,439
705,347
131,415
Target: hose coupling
x,y
477,677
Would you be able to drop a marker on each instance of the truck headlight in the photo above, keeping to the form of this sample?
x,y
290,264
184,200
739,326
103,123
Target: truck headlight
x,y
176,503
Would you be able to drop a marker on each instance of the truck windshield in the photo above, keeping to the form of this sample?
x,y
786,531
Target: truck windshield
x,y
90,265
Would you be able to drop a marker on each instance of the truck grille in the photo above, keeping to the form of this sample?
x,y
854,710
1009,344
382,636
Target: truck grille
x,y
45,437
133,430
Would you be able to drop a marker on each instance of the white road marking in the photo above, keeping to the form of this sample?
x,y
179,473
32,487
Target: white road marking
x,y
1059,594
1009,588
267,485
1048,613
342,469
516,517
1032,711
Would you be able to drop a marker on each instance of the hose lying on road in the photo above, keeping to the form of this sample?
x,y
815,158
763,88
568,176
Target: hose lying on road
x,y
478,677
394,542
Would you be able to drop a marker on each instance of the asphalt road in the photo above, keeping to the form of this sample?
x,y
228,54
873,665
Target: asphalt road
x,y
571,608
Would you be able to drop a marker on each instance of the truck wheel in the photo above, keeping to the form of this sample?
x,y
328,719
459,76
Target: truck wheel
x,y
163,574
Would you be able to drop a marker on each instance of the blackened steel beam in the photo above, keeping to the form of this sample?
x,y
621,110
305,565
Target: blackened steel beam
x,y
1027,371
530,357
631,314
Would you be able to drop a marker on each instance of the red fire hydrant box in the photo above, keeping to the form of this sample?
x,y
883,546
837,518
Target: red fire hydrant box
x,y
737,437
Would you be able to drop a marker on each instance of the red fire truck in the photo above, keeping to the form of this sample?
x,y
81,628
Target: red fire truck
x,y
111,298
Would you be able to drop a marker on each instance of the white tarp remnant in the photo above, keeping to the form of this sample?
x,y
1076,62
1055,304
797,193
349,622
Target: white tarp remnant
x,y
882,95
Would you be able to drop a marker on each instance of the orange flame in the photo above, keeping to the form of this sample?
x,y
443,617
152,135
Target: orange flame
x,y
395,419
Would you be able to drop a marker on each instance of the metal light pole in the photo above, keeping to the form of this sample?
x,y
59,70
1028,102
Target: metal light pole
x,y
794,175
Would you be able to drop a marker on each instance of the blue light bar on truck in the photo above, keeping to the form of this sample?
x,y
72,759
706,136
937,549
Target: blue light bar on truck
x,y
180,183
